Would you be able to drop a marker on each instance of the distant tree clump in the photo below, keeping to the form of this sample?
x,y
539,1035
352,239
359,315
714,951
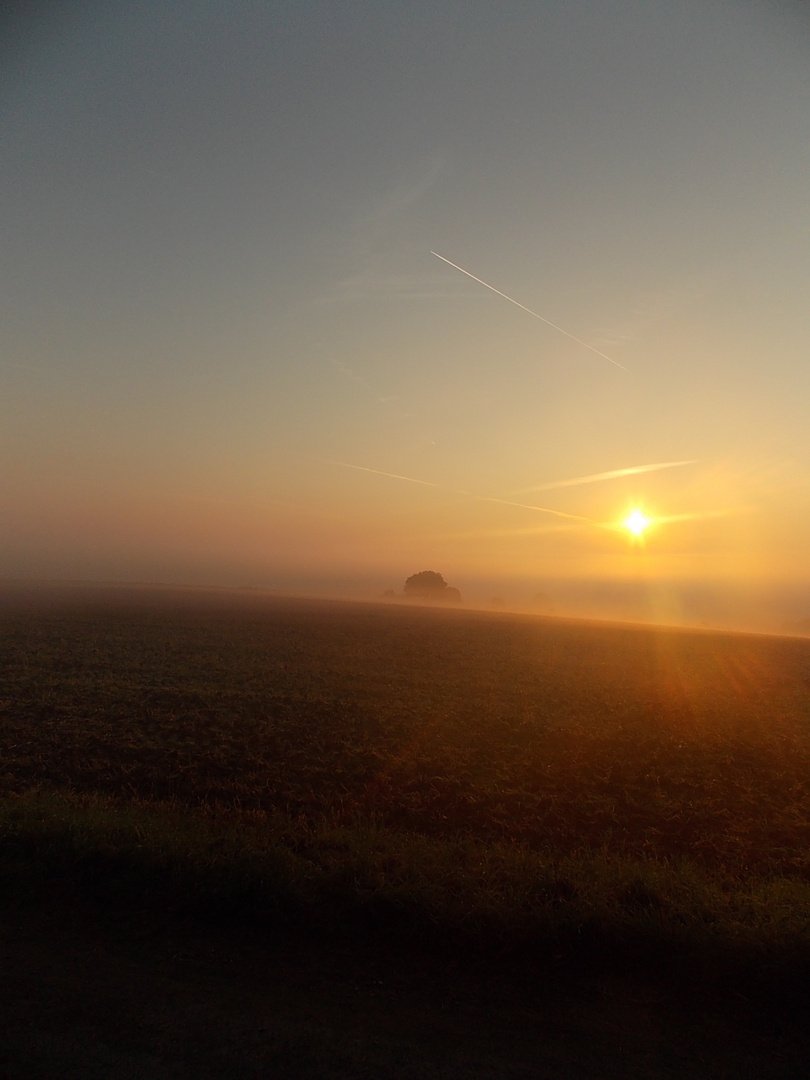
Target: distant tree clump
x,y
428,585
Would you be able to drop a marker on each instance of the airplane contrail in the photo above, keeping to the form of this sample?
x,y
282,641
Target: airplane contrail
x,y
527,506
468,494
379,472
614,474
542,318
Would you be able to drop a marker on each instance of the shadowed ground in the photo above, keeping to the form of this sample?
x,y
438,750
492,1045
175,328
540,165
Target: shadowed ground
x,y
90,1001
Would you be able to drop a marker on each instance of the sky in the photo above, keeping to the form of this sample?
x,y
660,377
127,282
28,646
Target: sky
x,y
313,296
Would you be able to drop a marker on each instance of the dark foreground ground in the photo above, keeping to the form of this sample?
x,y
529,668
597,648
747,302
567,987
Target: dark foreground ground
x,y
333,841
100,999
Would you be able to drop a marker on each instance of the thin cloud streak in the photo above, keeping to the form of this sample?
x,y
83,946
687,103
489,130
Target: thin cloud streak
x,y
541,509
704,515
523,307
608,525
614,474
379,472
472,495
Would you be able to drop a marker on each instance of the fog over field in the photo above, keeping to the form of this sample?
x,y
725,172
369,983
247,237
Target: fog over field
x,y
312,297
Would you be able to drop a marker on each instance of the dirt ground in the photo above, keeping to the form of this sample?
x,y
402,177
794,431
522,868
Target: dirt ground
x,y
95,998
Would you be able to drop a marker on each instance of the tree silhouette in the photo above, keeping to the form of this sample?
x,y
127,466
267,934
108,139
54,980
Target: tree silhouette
x,y
428,585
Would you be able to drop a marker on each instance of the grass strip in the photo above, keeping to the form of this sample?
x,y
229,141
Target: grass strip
x,y
267,869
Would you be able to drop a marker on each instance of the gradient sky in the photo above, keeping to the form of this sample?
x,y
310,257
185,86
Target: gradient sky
x,y
227,351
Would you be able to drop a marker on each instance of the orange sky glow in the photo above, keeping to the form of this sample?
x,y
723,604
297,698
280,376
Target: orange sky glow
x,y
231,353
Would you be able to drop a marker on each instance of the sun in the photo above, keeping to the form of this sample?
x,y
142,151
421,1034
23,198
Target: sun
x,y
637,523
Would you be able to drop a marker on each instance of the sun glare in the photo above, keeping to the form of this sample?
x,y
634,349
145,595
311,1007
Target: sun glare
x,y
636,523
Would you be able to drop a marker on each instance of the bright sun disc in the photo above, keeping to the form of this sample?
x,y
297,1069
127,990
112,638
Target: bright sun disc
x,y
636,523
